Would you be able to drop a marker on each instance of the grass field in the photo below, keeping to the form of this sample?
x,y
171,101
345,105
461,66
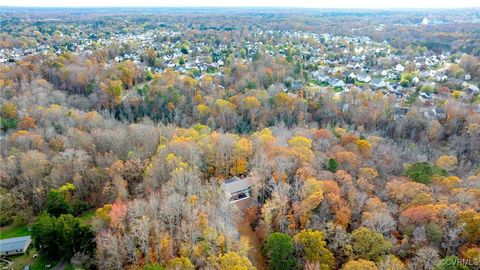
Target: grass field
x,y
37,263
87,217
13,231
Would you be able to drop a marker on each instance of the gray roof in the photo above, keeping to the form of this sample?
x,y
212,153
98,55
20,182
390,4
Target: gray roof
x,y
236,184
377,81
15,243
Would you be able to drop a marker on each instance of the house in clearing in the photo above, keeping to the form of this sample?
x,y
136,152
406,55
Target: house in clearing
x,y
13,246
237,189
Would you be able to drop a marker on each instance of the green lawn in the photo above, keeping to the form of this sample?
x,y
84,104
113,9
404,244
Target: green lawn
x,y
358,83
87,217
38,263
13,231
392,81
318,83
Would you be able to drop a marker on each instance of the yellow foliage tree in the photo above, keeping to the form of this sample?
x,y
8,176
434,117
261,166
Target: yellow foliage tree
x,y
300,141
180,263
203,110
265,136
391,262
368,173
103,213
233,261
359,265
364,147
471,221
251,102
447,162
9,110
312,196
314,247
457,94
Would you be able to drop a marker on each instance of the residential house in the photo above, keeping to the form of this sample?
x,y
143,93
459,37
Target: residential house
x,y
471,88
364,78
237,189
336,82
350,75
319,76
441,78
378,83
399,68
426,96
297,85
13,246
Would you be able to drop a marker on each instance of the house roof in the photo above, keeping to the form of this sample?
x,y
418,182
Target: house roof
x,y
16,243
377,81
236,184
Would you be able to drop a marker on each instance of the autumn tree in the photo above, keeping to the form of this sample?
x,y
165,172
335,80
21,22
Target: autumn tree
x,y
180,263
359,265
311,244
368,244
234,261
447,162
8,113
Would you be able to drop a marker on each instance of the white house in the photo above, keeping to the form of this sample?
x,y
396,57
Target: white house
x,y
364,78
399,68
237,189
336,82
441,78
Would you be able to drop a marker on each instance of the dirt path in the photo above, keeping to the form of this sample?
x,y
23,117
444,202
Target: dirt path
x,y
255,255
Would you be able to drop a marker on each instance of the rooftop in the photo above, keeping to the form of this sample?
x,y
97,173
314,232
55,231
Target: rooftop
x,y
236,184
17,243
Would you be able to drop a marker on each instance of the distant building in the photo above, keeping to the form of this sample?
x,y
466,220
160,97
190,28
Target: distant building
x,y
365,78
399,68
441,78
297,85
336,82
13,246
415,80
237,189
320,77
378,83
350,75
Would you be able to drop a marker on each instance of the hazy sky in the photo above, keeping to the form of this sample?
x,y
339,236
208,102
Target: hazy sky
x,y
248,3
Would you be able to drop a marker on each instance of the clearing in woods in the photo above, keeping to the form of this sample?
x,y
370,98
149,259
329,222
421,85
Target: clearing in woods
x,y
246,231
